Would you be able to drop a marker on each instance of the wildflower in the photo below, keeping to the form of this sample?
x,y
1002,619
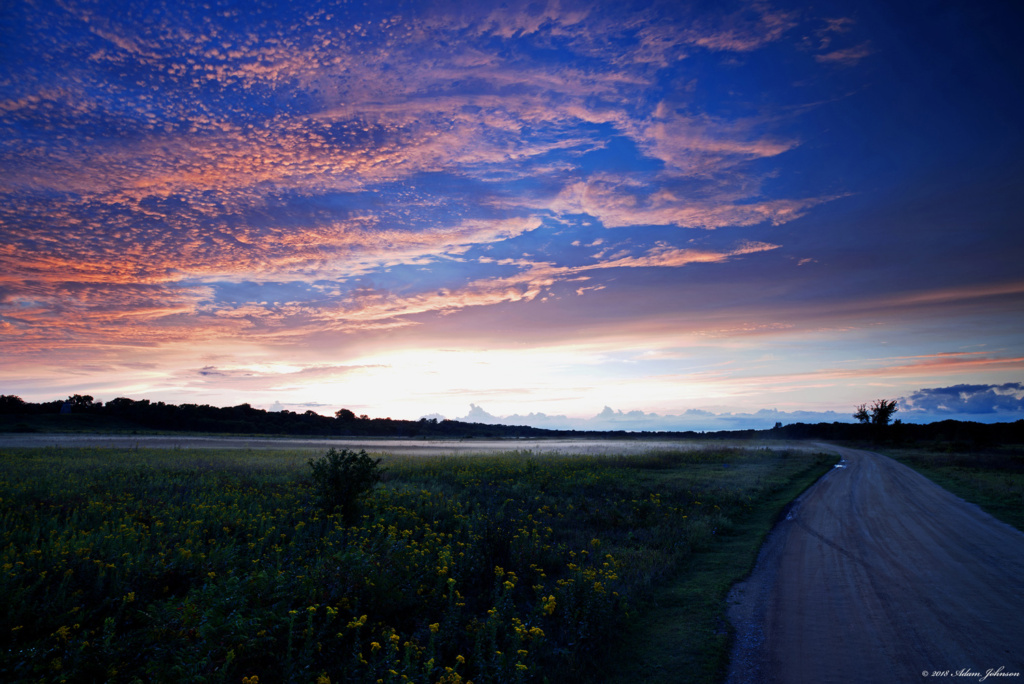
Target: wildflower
x,y
323,679
435,627
460,660
374,646
549,605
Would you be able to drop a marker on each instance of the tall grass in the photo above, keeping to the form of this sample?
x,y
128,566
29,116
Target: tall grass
x,y
200,566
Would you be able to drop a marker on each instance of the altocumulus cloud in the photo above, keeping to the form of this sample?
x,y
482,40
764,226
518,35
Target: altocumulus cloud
x,y
160,154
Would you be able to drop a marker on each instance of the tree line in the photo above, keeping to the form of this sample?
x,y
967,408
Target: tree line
x,y
123,413
874,424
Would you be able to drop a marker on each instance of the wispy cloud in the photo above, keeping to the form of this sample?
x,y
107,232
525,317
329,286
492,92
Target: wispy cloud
x,y
750,28
847,57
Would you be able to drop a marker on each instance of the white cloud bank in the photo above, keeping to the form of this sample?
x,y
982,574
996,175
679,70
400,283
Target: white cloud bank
x,y
697,420
979,403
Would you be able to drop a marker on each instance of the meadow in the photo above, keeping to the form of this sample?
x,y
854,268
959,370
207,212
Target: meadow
x,y
184,565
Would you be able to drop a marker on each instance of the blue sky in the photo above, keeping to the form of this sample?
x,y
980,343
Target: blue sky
x,y
669,209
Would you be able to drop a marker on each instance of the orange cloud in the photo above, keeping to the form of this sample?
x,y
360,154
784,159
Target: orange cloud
x,y
362,307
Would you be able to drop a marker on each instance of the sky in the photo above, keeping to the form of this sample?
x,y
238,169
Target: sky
x,y
653,215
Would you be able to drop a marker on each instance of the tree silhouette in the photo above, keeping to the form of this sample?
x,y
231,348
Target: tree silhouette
x,y
878,416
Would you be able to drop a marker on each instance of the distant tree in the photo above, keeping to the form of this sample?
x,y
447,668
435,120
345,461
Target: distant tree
x,y
344,415
878,415
82,402
11,404
119,405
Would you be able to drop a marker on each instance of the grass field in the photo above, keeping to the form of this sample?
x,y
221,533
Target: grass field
x,y
991,477
217,566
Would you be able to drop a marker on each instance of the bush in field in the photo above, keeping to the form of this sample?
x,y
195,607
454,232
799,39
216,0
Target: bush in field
x,y
341,477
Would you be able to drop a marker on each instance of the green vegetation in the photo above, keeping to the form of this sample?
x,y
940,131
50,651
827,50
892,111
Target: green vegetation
x,y
991,477
201,566
685,635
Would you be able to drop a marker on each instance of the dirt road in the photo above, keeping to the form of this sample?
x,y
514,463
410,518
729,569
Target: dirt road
x,y
879,575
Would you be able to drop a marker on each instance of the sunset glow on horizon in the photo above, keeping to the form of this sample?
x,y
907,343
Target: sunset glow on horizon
x,y
698,215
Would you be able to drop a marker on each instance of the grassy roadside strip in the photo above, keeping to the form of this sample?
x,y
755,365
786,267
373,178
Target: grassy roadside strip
x,y
993,479
686,636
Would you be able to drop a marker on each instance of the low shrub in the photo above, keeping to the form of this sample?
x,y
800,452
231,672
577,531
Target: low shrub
x,y
340,478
